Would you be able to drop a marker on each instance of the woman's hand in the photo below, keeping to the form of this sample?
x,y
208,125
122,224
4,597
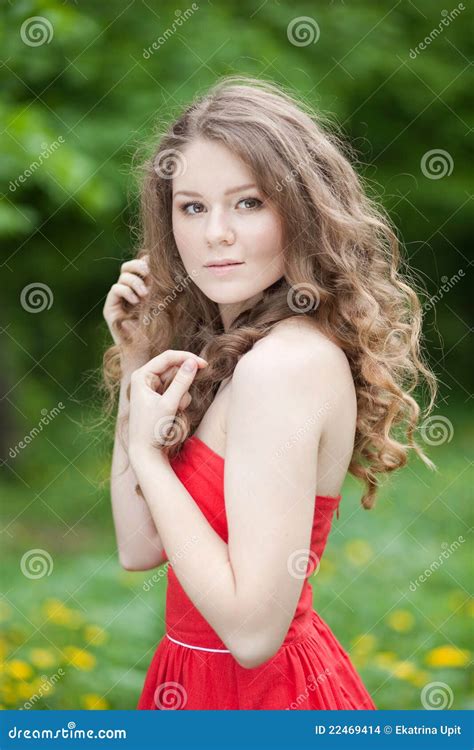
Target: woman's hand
x,y
131,287
152,411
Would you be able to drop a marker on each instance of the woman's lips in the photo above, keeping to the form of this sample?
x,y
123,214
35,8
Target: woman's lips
x,y
222,270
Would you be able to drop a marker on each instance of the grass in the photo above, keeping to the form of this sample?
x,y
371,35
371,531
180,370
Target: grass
x,y
83,633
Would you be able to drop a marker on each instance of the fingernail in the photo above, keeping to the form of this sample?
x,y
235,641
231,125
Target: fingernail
x,y
189,365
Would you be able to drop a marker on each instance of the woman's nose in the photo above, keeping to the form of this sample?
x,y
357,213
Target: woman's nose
x,y
219,229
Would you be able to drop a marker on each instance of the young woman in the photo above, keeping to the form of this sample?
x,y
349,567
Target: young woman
x,y
265,344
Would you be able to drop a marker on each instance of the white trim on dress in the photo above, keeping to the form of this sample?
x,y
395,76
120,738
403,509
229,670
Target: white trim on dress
x,y
198,648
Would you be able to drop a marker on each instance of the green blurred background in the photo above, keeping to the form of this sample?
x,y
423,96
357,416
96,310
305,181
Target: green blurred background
x,y
85,84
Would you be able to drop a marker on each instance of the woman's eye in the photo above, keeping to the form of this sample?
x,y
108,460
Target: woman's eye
x,y
251,200
186,206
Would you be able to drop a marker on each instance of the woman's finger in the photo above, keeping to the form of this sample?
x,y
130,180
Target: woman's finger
x,y
185,401
135,282
170,357
122,291
137,265
181,382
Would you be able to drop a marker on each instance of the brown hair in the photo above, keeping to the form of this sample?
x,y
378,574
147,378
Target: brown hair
x,y
341,260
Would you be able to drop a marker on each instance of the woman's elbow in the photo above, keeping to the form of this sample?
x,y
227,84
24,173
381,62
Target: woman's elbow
x,y
135,564
254,651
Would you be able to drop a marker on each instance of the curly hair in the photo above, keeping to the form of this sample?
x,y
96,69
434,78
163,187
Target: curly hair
x,y
341,269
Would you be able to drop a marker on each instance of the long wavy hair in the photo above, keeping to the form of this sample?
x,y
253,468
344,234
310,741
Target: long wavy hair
x,y
341,270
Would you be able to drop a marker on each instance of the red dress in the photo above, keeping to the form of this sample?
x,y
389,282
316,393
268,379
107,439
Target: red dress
x,y
192,669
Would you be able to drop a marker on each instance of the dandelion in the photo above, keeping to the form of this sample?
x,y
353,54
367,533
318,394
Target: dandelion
x,y
57,612
18,669
95,635
8,695
404,670
92,701
385,659
401,620
364,643
447,656
42,658
80,658
25,690
358,551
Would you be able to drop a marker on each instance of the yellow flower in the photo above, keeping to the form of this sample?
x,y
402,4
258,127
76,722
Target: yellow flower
x,y
42,686
58,613
42,658
385,659
80,658
18,669
358,551
403,669
92,701
95,635
447,656
401,620
25,690
9,695
364,643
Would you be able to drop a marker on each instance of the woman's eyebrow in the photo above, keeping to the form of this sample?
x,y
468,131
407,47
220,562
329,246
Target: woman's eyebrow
x,y
227,192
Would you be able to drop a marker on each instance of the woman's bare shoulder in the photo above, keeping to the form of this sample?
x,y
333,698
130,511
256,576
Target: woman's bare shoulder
x,y
302,338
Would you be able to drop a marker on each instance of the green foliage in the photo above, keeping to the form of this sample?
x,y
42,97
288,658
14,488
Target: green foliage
x,y
106,75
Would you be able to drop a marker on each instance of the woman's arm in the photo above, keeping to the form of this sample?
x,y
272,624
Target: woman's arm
x,y
246,589
139,544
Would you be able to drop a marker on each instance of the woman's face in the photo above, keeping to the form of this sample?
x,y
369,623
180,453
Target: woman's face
x,y
219,213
